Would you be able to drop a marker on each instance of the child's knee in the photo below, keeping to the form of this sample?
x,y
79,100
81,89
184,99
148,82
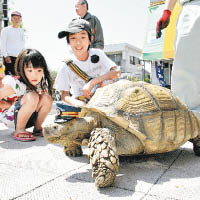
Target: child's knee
x,y
31,98
46,100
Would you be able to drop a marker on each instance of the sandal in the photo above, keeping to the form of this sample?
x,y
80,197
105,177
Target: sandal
x,y
37,132
23,136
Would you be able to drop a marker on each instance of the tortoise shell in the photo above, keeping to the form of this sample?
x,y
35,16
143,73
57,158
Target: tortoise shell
x,y
152,113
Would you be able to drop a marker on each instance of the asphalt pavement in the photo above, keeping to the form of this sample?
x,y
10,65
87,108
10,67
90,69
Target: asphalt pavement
x,y
40,171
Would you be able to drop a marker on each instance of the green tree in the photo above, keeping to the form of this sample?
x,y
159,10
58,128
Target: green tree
x,y
133,78
53,77
147,78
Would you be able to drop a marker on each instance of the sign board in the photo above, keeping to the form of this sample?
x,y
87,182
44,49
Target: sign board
x,y
162,48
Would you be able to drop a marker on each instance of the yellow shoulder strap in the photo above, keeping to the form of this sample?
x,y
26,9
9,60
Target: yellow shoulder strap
x,y
77,70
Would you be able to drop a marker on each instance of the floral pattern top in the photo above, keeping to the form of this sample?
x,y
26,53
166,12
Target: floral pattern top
x,y
7,115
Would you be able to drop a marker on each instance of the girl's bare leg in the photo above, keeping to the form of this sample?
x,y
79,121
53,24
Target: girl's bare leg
x,y
43,108
29,104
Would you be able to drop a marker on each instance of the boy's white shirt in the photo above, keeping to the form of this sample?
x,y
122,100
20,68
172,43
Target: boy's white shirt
x,y
67,80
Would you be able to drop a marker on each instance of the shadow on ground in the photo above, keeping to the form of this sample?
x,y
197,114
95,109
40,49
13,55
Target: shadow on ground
x,y
141,172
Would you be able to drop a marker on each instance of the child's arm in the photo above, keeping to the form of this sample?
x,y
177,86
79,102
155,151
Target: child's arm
x,y
70,100
5,91
111,75
170,4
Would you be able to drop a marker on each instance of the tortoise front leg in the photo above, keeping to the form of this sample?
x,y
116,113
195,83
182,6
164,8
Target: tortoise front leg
x,y
103,156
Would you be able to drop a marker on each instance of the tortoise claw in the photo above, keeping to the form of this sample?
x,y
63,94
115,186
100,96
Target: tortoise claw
x,y
196,149
74,151
196,145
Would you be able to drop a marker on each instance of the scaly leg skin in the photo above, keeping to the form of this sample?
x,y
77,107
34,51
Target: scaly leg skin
x,y
103,157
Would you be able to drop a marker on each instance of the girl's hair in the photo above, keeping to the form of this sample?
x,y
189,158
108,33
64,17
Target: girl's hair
x,y
35,57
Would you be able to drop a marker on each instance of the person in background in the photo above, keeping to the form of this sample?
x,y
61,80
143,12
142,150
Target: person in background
x,y
12,42
185,79
32,88
81,7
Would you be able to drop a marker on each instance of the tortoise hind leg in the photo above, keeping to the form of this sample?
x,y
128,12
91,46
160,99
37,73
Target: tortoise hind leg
x,y
103,157
196,145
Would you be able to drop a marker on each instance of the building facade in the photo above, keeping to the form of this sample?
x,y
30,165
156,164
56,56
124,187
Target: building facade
x,y
128,57
3,14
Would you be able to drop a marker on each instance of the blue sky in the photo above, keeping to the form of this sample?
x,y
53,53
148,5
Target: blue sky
x,y
122,21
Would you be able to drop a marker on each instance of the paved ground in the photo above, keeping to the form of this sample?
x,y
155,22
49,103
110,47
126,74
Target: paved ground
x,y
40,171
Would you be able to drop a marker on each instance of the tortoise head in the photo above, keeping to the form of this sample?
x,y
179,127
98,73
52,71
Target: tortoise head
x,y
76,131
51,132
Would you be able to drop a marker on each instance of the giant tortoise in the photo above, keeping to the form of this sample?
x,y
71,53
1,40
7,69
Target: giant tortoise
x,y
126,118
